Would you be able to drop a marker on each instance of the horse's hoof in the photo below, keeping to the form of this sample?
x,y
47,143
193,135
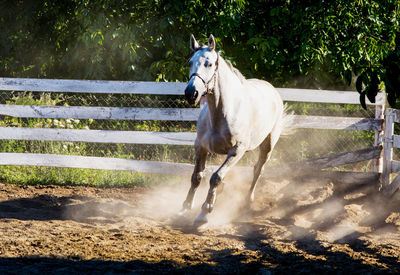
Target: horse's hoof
x,y
183,212
200,221
187,206
251,199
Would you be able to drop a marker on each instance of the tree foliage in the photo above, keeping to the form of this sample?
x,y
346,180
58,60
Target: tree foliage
x,y
303,43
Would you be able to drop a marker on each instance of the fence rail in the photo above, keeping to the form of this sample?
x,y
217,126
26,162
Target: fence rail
x,y
68,161
171,138
97,136
115,113
166,88
175,114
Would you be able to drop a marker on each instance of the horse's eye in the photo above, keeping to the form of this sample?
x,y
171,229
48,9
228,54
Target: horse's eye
x,y
209,65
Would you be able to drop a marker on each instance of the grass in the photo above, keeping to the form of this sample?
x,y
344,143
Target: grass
x,y
30,175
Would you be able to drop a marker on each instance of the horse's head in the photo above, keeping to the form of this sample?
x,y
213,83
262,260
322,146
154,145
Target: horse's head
x,y
203,69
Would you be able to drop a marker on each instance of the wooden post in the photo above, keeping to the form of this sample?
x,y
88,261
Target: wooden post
x,y
379,114
387,148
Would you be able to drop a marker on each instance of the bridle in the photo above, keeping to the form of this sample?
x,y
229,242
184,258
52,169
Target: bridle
x,y
206,83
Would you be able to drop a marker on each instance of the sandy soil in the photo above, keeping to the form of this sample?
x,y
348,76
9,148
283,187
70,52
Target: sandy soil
x,y
307,225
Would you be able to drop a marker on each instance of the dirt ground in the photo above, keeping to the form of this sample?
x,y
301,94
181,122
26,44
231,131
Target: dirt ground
x,y
306,225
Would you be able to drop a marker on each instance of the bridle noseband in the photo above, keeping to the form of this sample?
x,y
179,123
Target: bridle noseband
x,y
206,83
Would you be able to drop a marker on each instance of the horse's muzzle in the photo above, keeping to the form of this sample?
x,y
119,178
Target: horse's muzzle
x,y
191,94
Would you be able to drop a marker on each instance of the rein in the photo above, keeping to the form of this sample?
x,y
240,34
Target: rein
x,y
208,91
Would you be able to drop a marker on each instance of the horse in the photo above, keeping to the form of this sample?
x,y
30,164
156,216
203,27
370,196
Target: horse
x,y
240,115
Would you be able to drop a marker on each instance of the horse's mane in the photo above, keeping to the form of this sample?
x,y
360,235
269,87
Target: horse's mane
x,y
235,71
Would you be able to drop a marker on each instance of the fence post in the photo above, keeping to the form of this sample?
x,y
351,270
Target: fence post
x,y
379,114
387,148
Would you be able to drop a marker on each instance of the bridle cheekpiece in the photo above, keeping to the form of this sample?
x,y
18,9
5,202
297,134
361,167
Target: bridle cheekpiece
x,y
206,83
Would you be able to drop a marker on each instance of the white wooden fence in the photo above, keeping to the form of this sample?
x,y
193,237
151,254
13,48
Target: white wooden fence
x,y
390,141
176,114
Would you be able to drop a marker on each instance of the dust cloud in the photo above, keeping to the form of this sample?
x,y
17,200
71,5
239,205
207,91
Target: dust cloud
x,y
301,206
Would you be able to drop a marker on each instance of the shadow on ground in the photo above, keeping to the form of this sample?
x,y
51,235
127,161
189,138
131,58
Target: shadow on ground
x,y
310,226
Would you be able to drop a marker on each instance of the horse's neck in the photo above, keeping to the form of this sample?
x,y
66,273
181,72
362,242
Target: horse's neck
x,y
226,90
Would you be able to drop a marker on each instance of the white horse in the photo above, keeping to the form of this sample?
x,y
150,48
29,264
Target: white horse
x,y
240,115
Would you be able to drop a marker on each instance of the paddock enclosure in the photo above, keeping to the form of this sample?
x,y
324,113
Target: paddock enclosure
x,y
317,207
184,136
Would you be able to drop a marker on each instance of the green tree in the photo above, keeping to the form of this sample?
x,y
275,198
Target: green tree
x,y
320,44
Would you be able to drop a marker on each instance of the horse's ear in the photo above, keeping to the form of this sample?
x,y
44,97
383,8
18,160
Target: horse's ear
x,y
211,42
193,43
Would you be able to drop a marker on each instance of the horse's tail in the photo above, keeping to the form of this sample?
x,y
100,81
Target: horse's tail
x,y
287,120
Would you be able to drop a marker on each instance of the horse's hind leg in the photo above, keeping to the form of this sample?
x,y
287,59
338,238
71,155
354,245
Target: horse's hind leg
x,y
266,148
199,166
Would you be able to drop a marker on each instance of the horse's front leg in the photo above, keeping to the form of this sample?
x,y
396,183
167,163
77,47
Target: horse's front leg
x,y
199,166
233,157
